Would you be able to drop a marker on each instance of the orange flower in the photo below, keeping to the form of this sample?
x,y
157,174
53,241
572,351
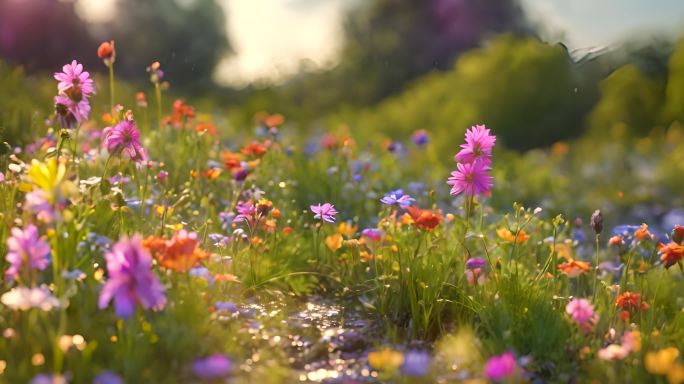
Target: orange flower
x,y
616,241
642,233
275,213
678,234
255,149
287,230
347,229
424,218
574,268
207,128
334,242
509,237
274,120
631,302
180,253
231,160
212,174
670,253
106,52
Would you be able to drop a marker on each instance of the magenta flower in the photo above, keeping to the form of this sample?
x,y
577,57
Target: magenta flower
x,y
212,367
471,179
124,138
581,311
74,82
500,367
70,111
325,212
478,145
26,251
131,280
247,211
373,234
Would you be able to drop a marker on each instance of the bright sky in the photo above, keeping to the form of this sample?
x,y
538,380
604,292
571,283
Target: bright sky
x,y
271,37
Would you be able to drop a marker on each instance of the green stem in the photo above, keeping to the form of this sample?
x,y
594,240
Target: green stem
x,y
598,237
111,85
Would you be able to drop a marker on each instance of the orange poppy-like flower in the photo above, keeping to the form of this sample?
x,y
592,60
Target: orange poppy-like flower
x,y
180,253
574,268
255,149
631,302
205,127
334,242
212,174
509,237
231,160
274,120
670,253
345,228
424,218
616,241
275,213
642,233
288,230
141,99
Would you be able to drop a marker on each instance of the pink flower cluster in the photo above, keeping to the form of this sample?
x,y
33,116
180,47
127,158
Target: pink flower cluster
x,y
74,88
471,176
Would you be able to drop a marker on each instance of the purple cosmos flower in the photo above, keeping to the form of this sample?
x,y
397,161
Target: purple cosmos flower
x,y
26,251
398,198
108,377
471,179
131,280
474,263
70,112
478,145
162,176
325,212
211,367
373,234
500,367
416,363
580,310
420,137
74,81
247,212
124,138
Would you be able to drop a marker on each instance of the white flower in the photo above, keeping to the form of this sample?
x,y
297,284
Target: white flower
x,y
24,298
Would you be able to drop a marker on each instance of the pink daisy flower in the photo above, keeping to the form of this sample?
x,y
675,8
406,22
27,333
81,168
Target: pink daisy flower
x,y
69,110
124,138
581,311
73,77
478,145
500,367
325,212
471,179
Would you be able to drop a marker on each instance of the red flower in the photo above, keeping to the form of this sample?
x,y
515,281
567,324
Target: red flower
x,y
670,253
424,218
631,302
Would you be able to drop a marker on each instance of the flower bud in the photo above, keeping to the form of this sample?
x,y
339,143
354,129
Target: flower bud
x,y
106,52
678,234
596,222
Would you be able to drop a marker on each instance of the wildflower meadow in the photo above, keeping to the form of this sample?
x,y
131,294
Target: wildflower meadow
x,y
145,240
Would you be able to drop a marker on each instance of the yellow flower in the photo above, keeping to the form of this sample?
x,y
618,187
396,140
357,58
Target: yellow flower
x,y
334,242
509,237
347,229
562,250
676,374
662,361
385,360
50,177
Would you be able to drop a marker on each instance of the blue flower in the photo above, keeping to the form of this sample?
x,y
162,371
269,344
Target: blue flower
x,y
398,198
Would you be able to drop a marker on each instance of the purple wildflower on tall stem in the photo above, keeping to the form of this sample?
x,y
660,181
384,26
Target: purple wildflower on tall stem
x,y
131,280
74,82
325,212
478,146
472,179
124,138
26,252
